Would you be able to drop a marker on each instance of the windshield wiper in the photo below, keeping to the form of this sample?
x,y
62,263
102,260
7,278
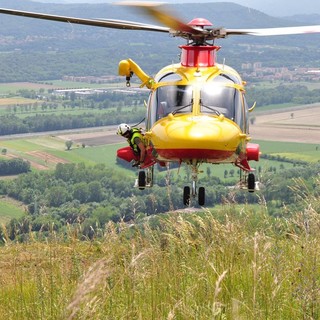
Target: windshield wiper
x,y
211,108
183,107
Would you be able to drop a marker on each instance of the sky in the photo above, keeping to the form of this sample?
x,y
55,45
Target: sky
x,y
279,8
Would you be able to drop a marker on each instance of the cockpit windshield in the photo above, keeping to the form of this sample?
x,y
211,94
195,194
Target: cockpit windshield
x,y
219,97
173,99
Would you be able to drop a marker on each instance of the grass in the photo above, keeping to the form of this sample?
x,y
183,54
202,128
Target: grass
x,y
291,150
236,262
281,106
10,209
4,102
273,84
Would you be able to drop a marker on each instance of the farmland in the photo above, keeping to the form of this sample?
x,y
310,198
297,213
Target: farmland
x,y
291,133
294,134
291,125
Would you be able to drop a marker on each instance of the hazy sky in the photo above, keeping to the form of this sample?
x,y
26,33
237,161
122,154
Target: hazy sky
x,y
272,7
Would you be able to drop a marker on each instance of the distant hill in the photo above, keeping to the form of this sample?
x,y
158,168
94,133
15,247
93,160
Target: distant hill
x,y
277,8
81,50
225,14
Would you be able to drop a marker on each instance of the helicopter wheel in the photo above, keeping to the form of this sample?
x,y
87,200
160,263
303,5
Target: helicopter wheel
x,y
186,196
251,182
201,196
142,180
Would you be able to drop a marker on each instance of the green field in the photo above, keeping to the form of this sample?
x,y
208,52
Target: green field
x,y
39,149
10,209
291,150
281,106
107,153
274,84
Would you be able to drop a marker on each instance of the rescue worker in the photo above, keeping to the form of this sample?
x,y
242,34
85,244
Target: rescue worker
x,y
136,143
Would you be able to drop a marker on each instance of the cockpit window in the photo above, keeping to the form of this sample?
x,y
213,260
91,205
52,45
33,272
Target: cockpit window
x,y
173,99
218,97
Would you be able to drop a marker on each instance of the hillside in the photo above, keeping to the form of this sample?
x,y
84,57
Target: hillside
x,y
55,49
272,7
232,263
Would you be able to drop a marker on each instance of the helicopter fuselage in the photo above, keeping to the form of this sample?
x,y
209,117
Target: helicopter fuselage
x,y
198,114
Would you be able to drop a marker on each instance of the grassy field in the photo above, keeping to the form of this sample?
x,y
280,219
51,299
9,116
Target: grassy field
x,y
273,84
54,146
236,262
298,151
10,209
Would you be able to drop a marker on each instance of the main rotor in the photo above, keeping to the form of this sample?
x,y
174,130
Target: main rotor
x,y
197,32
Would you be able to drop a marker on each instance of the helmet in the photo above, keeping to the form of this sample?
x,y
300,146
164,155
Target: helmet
x,y
123,128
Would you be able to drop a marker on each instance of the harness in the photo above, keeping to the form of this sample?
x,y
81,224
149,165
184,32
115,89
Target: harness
x,y
135,133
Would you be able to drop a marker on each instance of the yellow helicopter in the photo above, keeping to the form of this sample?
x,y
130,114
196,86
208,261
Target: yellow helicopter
x,y
197,111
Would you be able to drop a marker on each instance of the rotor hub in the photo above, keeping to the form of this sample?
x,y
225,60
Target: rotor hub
x,y
200,22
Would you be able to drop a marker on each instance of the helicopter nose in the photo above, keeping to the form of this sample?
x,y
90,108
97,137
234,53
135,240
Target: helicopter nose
x,y
196,137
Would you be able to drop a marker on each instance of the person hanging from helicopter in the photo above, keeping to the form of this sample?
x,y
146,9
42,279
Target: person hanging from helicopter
x,y
137,151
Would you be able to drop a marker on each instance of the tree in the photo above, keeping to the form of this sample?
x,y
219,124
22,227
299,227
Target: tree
x,y
95,191
57,196
81,192
69,144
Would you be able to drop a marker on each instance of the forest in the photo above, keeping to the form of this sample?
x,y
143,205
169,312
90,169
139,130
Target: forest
x,y
90,196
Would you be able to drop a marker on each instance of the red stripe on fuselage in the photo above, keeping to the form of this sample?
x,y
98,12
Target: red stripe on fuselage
x,y
200,154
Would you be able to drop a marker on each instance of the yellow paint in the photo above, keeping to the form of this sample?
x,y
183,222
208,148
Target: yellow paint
x,y
196,132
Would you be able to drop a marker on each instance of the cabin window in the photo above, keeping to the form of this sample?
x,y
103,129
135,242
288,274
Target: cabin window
x,y
220,97
216,99
174,99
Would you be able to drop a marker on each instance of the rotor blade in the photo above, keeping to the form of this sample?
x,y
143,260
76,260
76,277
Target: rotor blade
x,y
274,31
155,9
115,24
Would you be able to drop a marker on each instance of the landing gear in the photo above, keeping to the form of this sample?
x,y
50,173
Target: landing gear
x,y
145,179
201,196
186,196
248,181
192,193
142,180
251,182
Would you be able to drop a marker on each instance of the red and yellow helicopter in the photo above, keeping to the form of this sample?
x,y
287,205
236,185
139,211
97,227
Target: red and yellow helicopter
x,y
197,111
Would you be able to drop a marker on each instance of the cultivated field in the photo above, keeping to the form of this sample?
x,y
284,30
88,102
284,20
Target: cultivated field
x,y
297,132
300,125
291,125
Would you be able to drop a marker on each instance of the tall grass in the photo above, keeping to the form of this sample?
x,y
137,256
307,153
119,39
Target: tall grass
x,y
233,264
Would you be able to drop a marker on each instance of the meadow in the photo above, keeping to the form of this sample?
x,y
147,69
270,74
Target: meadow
x,y
10,209
235,262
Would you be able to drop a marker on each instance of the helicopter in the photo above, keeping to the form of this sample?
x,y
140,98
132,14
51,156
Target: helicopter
x,y
196,111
